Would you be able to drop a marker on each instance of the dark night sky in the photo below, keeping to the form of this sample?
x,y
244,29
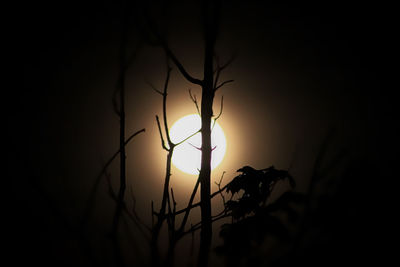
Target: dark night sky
x,y
301,70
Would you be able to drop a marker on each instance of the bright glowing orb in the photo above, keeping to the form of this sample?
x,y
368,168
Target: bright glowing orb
x,y
187,156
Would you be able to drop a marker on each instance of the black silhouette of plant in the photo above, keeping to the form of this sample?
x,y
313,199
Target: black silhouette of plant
x,y
253,216
257,186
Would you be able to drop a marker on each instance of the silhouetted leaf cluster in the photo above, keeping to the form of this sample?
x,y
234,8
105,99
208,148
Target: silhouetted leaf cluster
x,y
254,218
257,186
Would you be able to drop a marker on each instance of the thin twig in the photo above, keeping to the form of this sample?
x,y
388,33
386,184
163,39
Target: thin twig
x,y
231,59
171,55
222,84
161,134
194,100
165,202
134,217
198,203
169,222
166,129
189,206
198,148
132,56
139,223
134,241
179,65
96,184
154,88
115,103
219,188
197,226
111,191
187,138
134,213
173,209
219,68
219,114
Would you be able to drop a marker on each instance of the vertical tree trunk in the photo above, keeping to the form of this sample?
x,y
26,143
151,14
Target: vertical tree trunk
x,y
205,173
121,193
155,254
210,13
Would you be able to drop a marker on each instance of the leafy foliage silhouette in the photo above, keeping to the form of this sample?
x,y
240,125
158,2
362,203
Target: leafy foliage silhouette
x,y
257,186
253,216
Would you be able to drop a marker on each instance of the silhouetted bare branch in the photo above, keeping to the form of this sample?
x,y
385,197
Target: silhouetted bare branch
x,y
116,108
173,209
220,112
194,100
197,226
169,53
190,136
219,188
219,69
132,212
154,88
179,65
198,203
90,202
222,84
198,148
165,106
165,202
188,209
161,134
132,215
92,194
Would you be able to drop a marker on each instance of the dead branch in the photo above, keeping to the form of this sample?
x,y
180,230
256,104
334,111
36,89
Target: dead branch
x,y
166,129
197,226
90,202
229,62
173,209
187,138
134,213
170,54
194,100
198,148
179,65
219,188
161,135
131,215
154,88
219,114
188,209
169,216
222,84
198,203
115,103
219,69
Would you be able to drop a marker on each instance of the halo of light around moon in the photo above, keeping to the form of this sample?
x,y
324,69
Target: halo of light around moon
x,y
187,156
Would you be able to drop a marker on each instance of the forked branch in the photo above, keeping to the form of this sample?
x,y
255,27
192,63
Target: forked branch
x,y
170,54
219,69
220,112
186,216
222,84
90,202
161,134
194,100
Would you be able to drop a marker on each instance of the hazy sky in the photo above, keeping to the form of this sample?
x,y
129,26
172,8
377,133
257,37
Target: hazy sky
x,y
301,70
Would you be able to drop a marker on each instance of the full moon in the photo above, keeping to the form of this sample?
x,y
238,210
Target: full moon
x,y
187,156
